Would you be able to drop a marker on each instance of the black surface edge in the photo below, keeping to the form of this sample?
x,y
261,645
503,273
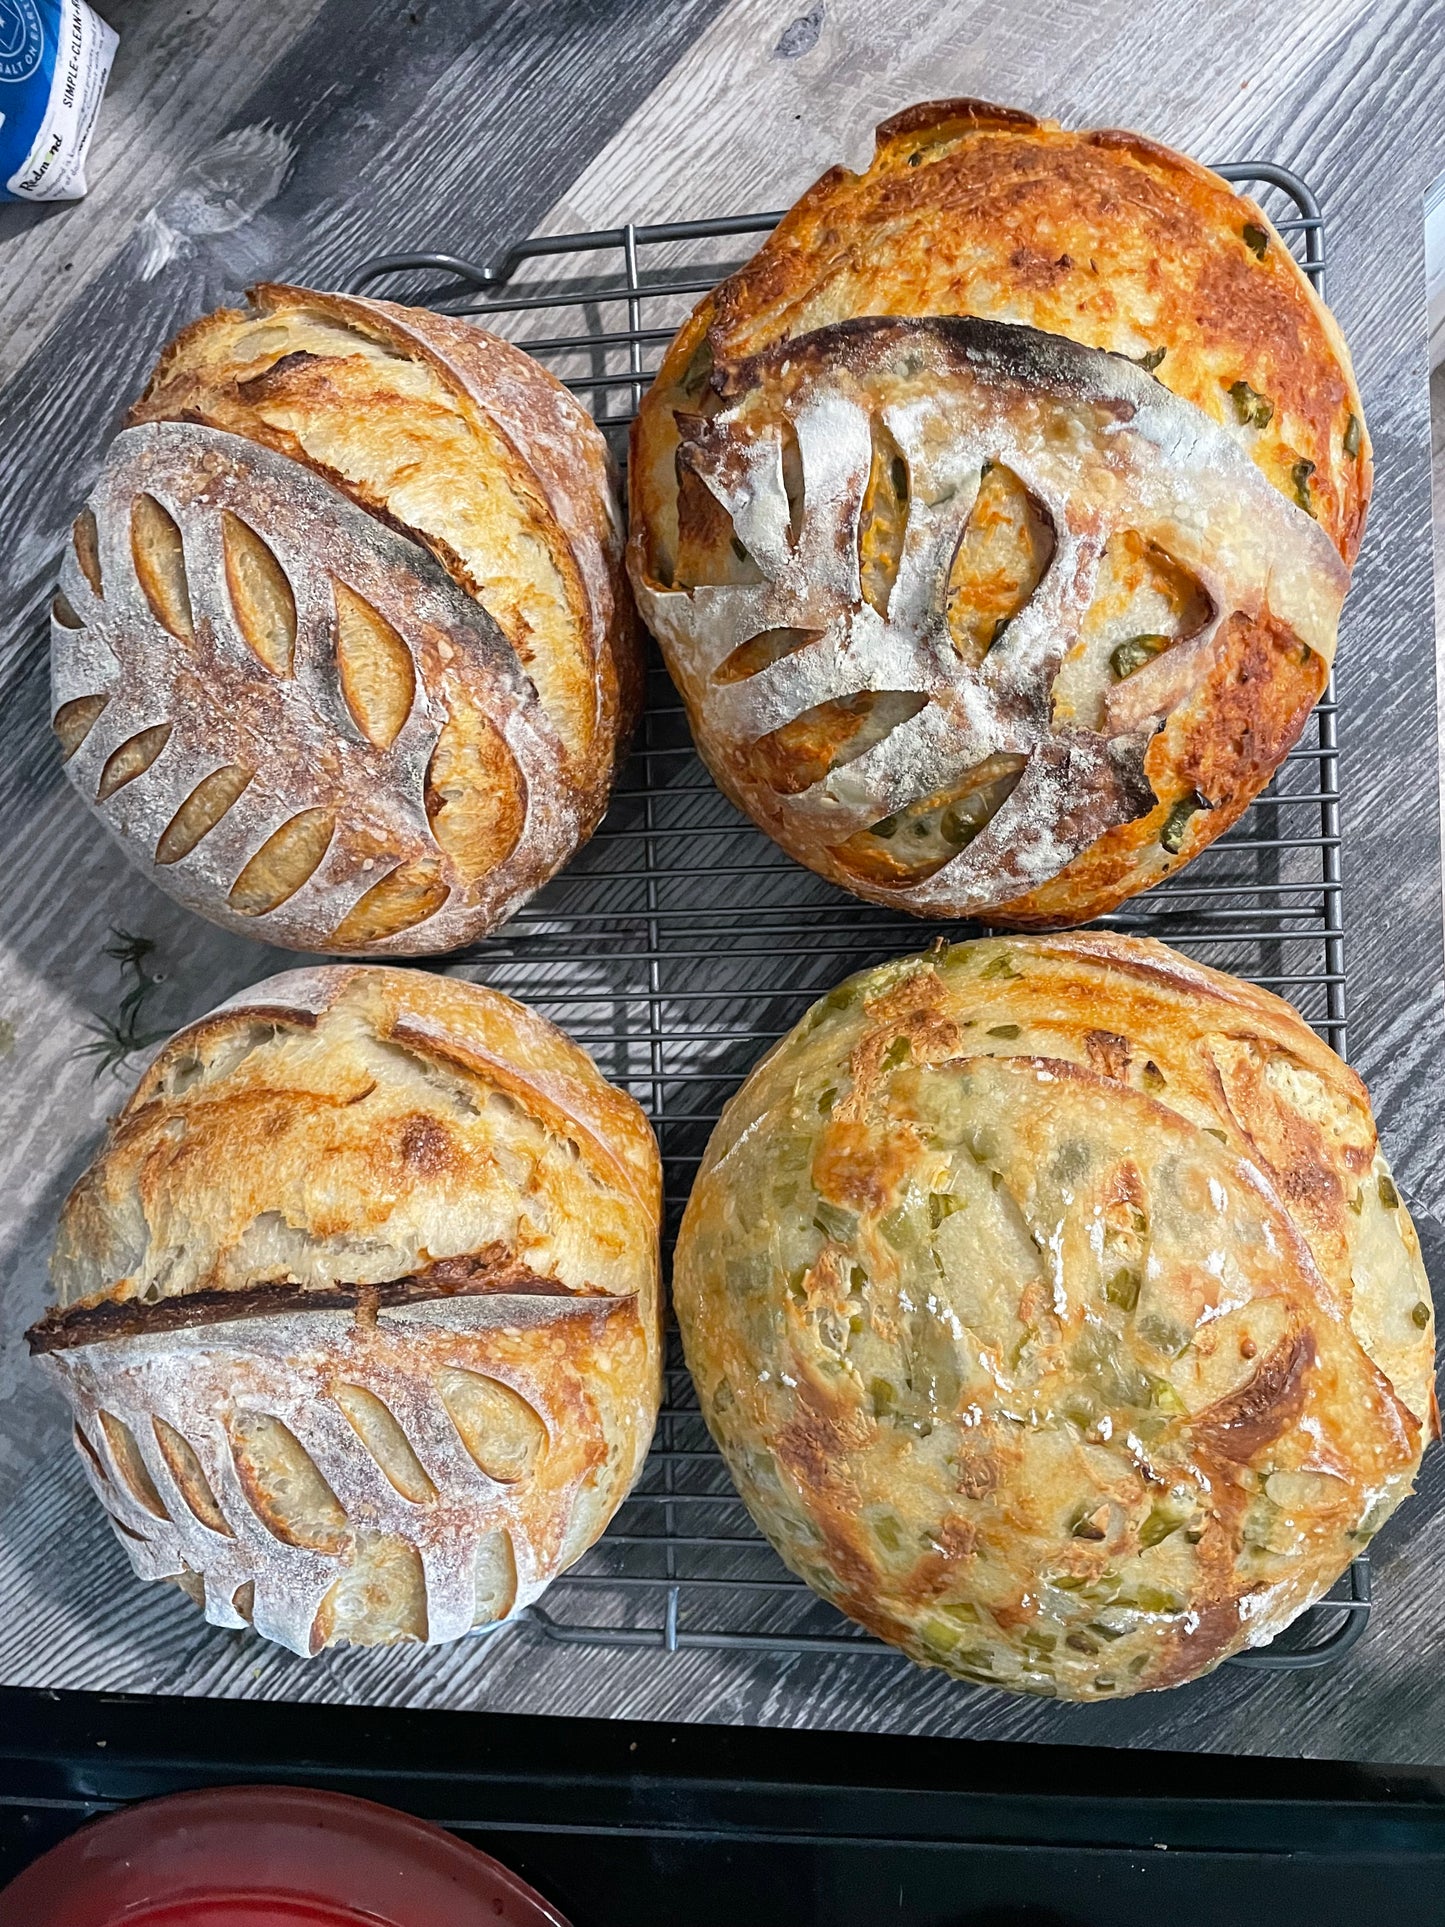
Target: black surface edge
x,y
481,1772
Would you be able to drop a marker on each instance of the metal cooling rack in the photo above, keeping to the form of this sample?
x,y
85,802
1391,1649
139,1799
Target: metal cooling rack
x,y
681,942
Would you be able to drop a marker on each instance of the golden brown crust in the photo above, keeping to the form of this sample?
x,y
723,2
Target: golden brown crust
x,y
1056,1312
403,1218
386,1103
977,622
361,659
1221,748
555,460
1103,236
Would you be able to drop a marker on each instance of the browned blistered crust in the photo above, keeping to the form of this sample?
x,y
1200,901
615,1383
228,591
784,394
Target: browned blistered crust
x,y
558,461
1222,746
1115,1355
404,1219
362,658
1118,779
1103,236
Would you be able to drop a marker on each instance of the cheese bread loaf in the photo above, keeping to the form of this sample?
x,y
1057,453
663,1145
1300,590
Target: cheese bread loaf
x,y
1056,1313
343,652
358,1308
995,520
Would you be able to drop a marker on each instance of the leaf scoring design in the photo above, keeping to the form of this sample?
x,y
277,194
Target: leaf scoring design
x,y
501,1431
201,811
189,1474
406,896
73,722
86,539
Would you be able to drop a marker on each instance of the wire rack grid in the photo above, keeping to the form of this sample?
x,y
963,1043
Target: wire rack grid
x,y
681,942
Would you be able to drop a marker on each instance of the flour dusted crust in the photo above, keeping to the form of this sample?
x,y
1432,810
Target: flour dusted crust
x,y
1100,235
977,621
352,580
900,659
1053,1306
358,1309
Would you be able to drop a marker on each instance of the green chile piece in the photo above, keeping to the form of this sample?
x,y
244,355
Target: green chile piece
x,y
961,822
888,1531
834,1222
1158,1526
1123,1289
1253,409
1163,1397
1155,1599
934,1383
1134,652
1098,1356
1164,1334
1177,822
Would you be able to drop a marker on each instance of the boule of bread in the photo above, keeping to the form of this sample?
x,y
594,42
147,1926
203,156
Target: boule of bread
x,y
359,1312
995,518
344,653
1056,1313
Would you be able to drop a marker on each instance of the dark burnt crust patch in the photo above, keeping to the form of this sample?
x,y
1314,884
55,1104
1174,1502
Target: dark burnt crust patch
x,y
258,386
491,1272
1006,353
942,119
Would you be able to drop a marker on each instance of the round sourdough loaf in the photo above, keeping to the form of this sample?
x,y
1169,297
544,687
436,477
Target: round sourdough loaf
x,y
996,518
343,652
359,1313
1056,1313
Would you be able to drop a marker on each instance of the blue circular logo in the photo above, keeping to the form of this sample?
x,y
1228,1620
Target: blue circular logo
x,y
21,39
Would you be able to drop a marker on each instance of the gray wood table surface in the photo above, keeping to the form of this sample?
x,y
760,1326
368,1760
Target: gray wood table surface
x,y
249,138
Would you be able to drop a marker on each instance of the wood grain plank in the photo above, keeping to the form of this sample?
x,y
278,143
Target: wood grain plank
x,y
178,78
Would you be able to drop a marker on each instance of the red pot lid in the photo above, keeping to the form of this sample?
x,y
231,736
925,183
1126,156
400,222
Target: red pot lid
x,y
257,1856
